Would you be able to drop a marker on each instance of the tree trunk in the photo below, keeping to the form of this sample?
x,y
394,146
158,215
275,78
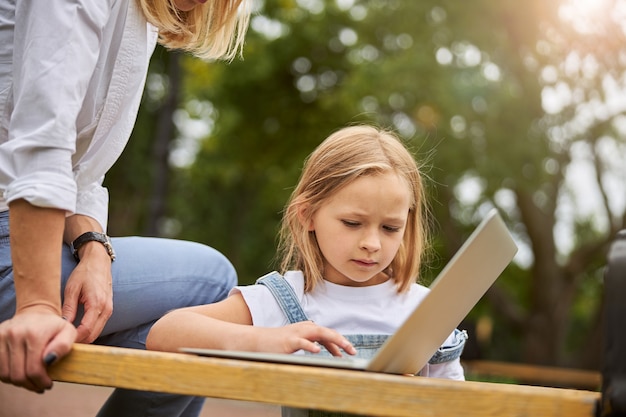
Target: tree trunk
x,y
160,151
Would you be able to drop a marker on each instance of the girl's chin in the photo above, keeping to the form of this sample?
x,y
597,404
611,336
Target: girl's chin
x,y
364,282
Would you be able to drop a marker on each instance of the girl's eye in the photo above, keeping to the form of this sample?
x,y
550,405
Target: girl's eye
x,y
392,229
350,223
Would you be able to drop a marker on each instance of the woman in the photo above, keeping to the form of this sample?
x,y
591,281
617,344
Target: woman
x,y
71,77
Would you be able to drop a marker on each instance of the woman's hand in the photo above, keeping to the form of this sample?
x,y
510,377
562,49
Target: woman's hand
x,y
36,331
33,335
90,284
306,336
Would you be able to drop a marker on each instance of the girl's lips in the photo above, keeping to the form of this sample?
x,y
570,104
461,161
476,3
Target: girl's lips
x,y
365,262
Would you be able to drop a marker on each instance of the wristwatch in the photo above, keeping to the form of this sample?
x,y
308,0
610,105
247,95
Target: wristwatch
x,y
92,237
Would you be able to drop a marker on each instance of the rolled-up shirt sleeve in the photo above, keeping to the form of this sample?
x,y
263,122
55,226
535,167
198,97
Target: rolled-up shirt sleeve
x,y
93,201
55,50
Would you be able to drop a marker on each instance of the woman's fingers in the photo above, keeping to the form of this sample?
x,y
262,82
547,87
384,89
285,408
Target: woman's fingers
x,y
25,341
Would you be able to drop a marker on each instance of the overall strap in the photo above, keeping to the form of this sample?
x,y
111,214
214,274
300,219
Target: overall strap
x,y
451,351
284,295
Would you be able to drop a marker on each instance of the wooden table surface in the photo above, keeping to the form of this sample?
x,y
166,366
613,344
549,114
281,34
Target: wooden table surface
x,y
360,392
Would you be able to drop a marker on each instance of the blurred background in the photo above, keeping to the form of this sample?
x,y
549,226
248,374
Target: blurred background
x,y
507,104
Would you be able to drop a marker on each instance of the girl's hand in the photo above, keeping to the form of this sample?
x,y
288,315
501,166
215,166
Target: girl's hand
x,y
90,284
227,325
303,336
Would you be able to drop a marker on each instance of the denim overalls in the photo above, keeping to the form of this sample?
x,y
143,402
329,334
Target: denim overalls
x,y
366,344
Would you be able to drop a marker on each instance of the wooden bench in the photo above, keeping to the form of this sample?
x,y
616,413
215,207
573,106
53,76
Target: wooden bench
x,y
547,376
356,392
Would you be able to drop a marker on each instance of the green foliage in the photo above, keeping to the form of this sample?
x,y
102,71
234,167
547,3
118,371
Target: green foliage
x,y
462,82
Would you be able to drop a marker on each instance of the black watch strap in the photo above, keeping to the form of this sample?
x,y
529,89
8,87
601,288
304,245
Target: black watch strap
x,y
92,237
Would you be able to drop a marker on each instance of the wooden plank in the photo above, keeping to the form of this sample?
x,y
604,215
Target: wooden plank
x,y
317,388
537,375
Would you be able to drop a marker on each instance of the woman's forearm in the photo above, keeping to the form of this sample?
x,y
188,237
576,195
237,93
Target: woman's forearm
x,y
36,241
77,224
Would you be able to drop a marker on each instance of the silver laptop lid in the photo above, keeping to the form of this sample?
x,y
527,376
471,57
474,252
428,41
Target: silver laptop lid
x,y
457,288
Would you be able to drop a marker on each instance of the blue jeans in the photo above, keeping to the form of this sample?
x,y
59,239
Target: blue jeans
x,y
150,277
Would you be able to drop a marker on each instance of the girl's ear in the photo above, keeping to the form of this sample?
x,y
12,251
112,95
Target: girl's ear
x,y
303,217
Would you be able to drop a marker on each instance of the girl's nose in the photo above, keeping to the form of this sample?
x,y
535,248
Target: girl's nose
x,y
370,241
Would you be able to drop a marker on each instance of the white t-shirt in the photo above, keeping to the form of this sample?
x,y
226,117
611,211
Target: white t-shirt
x,y
376,309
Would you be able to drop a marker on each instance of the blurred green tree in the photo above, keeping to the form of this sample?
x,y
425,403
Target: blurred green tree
x,y
502,103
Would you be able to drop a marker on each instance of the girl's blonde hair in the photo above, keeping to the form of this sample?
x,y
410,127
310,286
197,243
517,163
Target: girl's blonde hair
x,y
212,30
344,156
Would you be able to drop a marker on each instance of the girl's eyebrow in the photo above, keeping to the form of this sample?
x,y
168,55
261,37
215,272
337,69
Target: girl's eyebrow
x,y
396,220
360,215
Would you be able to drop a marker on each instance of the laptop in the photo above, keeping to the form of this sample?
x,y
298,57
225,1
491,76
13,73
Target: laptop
x,y
455,291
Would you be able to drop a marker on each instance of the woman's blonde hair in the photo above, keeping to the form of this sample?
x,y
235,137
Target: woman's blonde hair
x,y
343,157
213,30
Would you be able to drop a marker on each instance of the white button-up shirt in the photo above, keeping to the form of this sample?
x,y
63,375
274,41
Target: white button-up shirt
x,y
71,78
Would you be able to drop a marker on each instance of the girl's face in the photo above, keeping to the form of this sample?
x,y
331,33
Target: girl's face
x,y
360,228
187,5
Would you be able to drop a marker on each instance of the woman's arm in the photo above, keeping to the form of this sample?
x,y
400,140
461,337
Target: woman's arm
x,y
37,329
36,251
55,51
228,325
90,283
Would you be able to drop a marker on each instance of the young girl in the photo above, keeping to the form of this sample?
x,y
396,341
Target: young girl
x,y
352,240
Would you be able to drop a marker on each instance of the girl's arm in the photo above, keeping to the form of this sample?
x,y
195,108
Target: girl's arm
x,y
228,325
